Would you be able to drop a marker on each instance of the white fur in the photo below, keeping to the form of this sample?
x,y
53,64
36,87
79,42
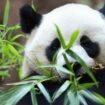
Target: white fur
x,y
69,18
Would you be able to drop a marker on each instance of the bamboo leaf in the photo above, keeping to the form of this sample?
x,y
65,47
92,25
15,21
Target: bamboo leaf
x,y
33,97
82,99
36,77
57,67
13,50
64,70
13,28
44,92
67,62
6,13
101,98
60,37
85,86
66,101
73,38
61,90
90,96
13,95
78,59
73,99
16,37
22,83
17,45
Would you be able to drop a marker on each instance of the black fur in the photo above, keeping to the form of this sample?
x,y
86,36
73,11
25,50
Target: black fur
x,y
102,10
92,48
52,86
52,49
29,18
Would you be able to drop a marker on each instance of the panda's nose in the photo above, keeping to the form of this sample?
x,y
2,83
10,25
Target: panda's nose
x,y
76,66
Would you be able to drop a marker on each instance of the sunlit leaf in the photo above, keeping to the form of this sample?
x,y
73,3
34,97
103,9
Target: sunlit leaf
x,y
13,95
73,39
73,99
22,83
13,28
60,37
57,67
44,92
37,77
82,99
13,50
90,96
61,90
33,97
101,98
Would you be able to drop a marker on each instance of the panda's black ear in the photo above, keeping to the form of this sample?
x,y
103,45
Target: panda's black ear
x,y
29,18
102,10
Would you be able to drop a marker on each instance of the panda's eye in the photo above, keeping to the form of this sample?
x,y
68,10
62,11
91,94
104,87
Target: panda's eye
x,y
55,44
85,41
52,49
92,48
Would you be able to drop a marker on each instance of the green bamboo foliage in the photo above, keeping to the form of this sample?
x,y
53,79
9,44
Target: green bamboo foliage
x,y
10,57
75,93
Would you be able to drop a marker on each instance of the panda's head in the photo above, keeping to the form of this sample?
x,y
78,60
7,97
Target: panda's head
x,y
43,42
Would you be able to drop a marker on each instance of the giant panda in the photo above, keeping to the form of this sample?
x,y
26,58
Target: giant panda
x,y
44,43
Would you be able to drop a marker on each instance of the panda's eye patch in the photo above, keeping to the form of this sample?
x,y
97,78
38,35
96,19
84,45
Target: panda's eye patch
x,y
85,41
92,48
55,44
52,49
